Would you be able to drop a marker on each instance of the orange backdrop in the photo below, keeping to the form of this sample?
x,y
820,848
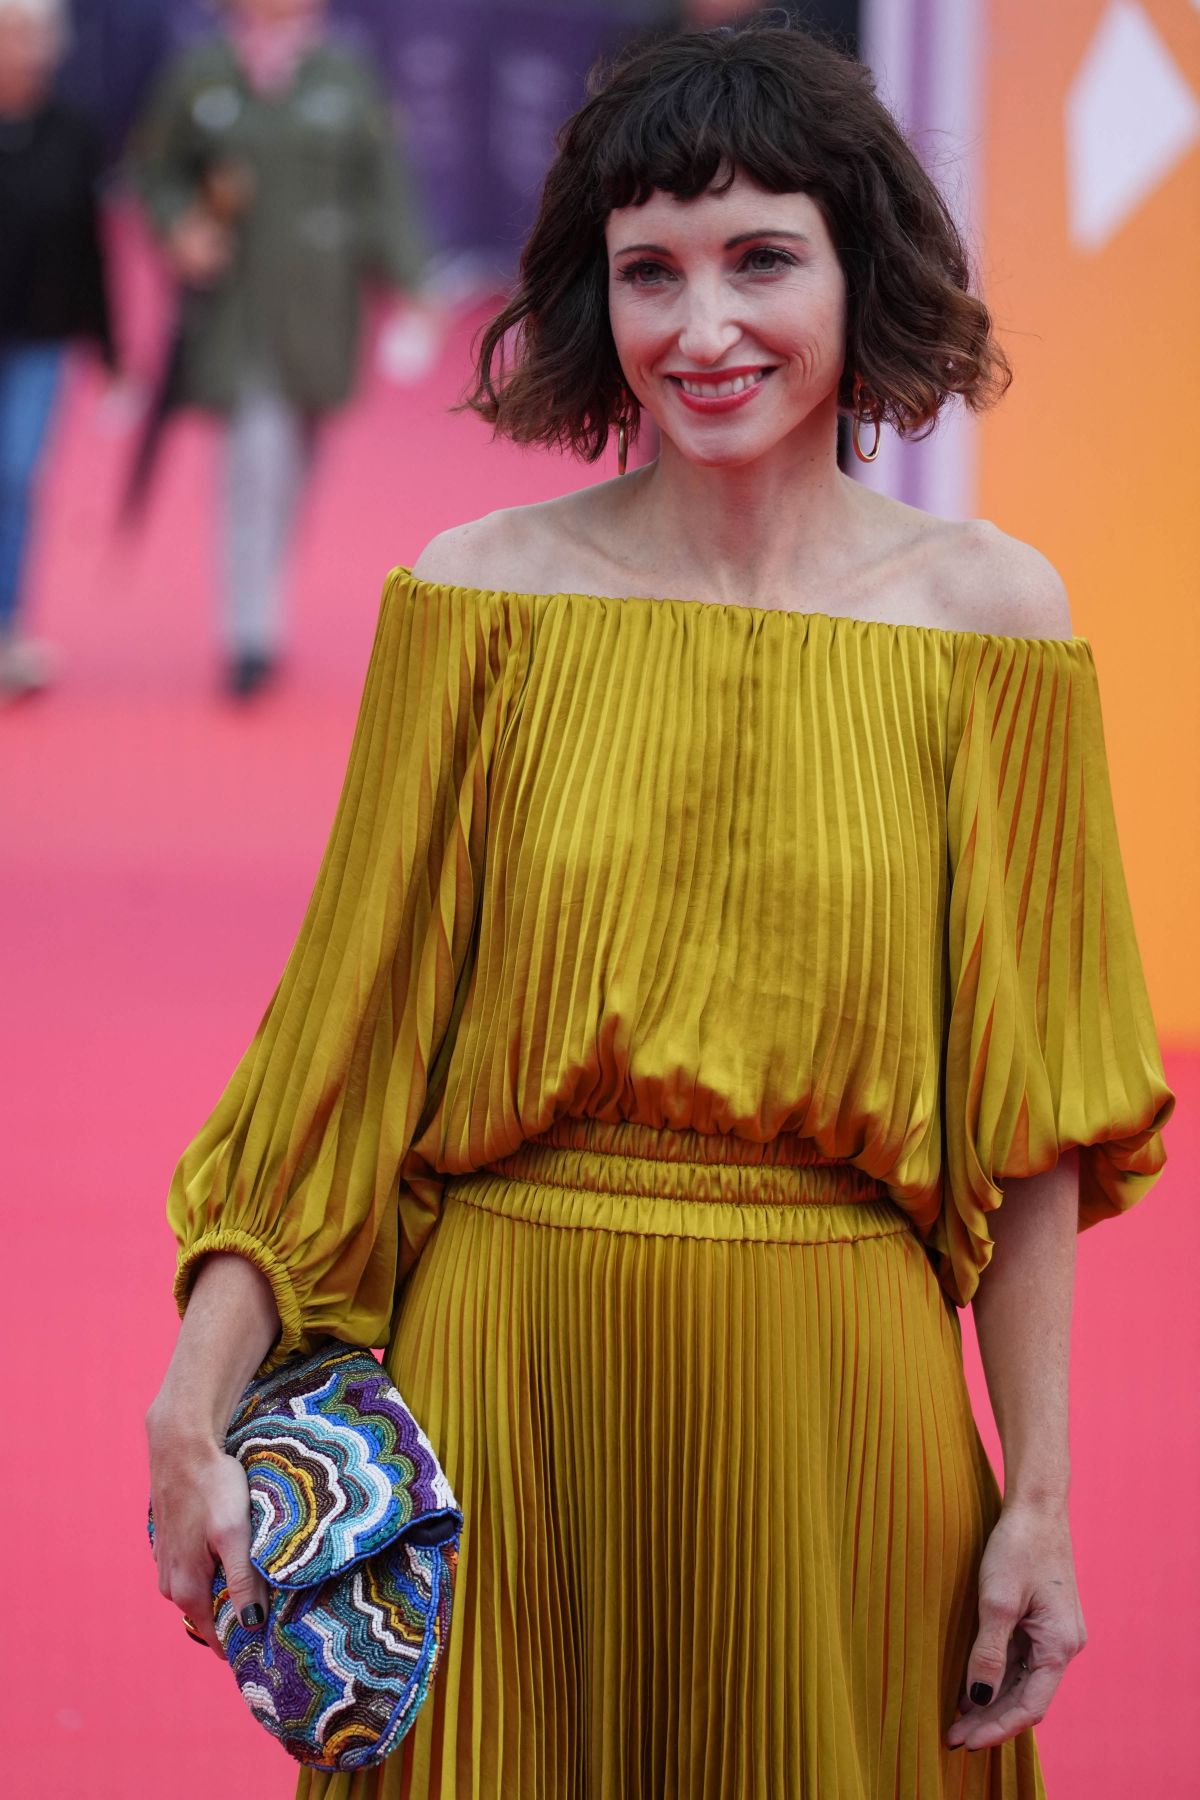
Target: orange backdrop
x,y
1093,456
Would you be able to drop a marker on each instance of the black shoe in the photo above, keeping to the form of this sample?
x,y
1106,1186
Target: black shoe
x,y
249,671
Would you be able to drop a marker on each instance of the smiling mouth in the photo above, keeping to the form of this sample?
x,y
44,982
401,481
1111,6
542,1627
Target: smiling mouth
x,y
718,387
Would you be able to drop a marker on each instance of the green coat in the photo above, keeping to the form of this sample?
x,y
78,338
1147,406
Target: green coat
x,y
332,205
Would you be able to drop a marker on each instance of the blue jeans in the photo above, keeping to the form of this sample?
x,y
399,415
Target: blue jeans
x,y
29,375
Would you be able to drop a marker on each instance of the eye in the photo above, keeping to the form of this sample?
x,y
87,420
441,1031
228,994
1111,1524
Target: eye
x,y
644,273
765,259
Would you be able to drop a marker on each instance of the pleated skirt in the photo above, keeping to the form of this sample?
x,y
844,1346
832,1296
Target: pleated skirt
x,y
702,1402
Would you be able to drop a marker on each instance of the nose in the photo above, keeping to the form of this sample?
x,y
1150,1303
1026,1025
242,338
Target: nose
x,y
708,330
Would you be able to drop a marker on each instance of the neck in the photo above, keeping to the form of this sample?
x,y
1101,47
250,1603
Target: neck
x,y
754,534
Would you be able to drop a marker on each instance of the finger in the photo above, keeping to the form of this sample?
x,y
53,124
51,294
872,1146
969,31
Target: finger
x,y
250,1596
987,1665
1016,1672
229,1542
1018,1660
248,1592
1024,1706
195,1603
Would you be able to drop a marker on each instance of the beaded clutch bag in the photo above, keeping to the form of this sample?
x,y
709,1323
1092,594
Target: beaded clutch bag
x,y
356,1530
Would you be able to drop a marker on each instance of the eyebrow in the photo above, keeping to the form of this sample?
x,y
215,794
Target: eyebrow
x,y
743,237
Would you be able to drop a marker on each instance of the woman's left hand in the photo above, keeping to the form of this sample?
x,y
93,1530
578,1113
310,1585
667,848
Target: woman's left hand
x,y
1030,1625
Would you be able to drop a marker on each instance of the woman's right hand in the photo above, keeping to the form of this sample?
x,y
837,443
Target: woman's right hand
x,y
202,1517
199,1494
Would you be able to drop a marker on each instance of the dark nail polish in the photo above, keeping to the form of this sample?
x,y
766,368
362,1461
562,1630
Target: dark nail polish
x,y
981,1692
253,1616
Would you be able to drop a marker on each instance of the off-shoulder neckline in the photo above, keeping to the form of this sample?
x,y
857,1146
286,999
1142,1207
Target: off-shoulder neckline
x,y
727,607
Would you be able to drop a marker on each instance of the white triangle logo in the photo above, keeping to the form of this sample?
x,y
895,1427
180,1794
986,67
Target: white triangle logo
x,y
1130,118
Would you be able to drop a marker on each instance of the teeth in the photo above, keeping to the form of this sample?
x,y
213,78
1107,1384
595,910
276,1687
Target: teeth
x,y
709,390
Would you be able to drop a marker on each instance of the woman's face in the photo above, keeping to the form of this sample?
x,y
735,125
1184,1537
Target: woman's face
x,y
30,43
729,317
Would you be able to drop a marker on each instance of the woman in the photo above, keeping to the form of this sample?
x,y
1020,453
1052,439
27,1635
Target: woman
x,y
270,172
52,292
702,973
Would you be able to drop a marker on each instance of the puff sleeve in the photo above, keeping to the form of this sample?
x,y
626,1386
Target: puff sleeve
x,y
300,1167
1050,1043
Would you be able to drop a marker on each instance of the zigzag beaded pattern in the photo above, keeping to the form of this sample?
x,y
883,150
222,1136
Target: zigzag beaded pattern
x,y
337,1467
356,1529
340,1671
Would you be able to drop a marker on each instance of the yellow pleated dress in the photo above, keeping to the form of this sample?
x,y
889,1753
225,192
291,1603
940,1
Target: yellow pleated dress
x,y
680,987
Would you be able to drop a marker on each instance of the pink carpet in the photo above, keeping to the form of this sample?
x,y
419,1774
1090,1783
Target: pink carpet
x,y
158,848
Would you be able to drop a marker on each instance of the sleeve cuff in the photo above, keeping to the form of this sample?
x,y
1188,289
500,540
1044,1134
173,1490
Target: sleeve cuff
x,y
240,1243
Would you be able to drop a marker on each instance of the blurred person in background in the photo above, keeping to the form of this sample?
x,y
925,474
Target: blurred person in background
x,y
272,177
52,291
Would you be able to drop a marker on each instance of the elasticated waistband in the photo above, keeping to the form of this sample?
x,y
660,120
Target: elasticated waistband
x,y
584,1174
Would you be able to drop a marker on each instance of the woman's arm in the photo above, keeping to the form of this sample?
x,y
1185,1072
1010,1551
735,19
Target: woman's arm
x,y
200,1498
297,1171
1028,1603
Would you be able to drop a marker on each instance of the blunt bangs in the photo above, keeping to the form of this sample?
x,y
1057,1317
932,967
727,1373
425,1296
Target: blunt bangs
x,y
710,125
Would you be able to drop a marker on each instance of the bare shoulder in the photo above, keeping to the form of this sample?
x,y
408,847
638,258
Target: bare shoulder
x,y
988,581
518,549
469,555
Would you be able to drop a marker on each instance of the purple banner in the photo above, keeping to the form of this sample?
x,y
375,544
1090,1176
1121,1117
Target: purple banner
x,y
481,85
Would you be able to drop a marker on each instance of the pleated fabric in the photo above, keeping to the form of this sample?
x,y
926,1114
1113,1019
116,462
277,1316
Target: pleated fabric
x,y
739,872
1049,1041
727,1497
298,1166
840,897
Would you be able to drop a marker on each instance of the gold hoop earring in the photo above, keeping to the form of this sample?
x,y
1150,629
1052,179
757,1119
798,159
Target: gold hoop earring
x,y
864,456
622,447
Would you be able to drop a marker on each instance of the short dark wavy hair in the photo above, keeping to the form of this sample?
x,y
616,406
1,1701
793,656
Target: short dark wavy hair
x,y
686,114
